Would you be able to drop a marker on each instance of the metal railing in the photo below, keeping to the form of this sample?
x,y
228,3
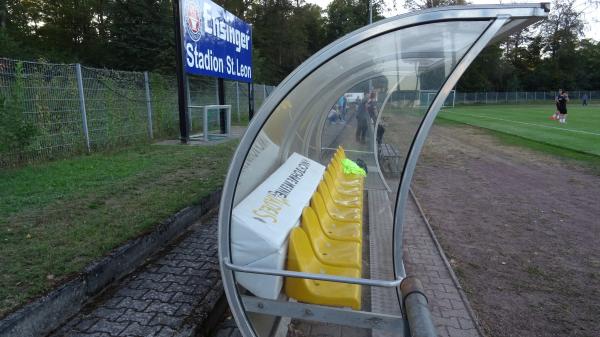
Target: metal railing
x,y
519,97
50,110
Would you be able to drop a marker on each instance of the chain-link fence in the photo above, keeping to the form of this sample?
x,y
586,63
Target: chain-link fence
x,y
519,97
50,111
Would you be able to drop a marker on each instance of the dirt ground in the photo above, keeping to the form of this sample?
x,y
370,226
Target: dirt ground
x,y
521,229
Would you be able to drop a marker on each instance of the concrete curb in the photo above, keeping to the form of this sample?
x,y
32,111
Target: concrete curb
x,y
437,244
50,311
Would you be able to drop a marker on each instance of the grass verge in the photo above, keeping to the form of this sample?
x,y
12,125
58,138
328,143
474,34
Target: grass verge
x,y
581,133
57,217
590,160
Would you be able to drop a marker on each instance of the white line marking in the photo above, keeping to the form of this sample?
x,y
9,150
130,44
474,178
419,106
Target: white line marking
x,y
532,124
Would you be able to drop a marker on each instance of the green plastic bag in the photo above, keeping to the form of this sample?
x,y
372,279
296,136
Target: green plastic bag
x,y
351,167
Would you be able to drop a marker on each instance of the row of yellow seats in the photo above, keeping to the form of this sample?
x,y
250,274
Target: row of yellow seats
x,y
329,240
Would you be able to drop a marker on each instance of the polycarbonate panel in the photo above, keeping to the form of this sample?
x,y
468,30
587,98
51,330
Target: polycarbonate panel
x,y
389,82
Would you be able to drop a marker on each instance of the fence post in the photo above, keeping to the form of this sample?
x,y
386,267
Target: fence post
x,y
237,98
82,106
453,97
148,105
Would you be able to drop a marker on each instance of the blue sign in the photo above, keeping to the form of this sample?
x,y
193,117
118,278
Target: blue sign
x,y
216,42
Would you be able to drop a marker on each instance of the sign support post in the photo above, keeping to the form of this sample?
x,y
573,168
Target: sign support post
x,y
181,88
222,112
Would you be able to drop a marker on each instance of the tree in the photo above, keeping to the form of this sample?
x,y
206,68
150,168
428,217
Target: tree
x,y
424,4
345,16
141,35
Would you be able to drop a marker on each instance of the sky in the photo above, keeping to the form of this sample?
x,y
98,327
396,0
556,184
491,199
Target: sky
x,y
591,13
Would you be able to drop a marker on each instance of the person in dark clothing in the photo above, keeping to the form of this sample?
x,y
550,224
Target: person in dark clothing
x,y
362,117
562,106
372,106
556,115
584,100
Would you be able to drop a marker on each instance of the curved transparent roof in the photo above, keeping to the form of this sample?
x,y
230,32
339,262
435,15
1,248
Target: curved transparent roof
x,y
292,224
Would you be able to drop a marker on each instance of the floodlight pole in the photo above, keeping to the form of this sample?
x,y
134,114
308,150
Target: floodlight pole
x,y
183,116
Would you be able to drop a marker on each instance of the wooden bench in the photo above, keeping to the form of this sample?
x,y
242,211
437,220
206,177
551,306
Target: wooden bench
x,y
390,156
329,240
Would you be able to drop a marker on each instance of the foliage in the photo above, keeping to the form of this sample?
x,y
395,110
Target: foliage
x,y
16,129
422,4
546,56
138,35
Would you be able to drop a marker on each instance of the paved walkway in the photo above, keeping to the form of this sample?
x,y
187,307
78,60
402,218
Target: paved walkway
x,y
167,297
423,259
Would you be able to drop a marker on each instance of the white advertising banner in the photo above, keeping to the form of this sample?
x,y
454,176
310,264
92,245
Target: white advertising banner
x,y
261,222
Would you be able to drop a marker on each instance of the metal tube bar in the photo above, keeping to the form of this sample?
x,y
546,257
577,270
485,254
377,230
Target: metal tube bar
x,y
360,319
320,277
417,309
420,137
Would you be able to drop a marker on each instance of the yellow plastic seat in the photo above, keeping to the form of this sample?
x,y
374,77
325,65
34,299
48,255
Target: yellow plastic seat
x,y
343,190
340,200
346,214
347,180
344,231
302,258
328,251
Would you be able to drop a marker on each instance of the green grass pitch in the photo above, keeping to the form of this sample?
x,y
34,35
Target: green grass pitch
x,y
581,133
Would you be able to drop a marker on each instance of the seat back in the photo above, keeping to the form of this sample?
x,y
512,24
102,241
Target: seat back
x,y
325,190
318,205
301,256
310,223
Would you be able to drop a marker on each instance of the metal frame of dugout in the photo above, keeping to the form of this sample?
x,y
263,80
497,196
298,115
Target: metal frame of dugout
x,y
293,120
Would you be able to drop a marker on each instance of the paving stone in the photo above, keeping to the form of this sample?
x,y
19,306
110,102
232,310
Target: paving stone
x,y
109,327
137,330
131,292
171,270
109,313
167,320
158,295
139,317
166,332
181,278
156,300
130,303
184,298
87,334
181,288
164,308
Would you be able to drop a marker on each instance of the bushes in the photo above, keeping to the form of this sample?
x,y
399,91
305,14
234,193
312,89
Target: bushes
x,y
17,131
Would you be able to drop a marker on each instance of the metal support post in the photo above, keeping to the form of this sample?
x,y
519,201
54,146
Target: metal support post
x,y
86,133
148,105
183,116
417,310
